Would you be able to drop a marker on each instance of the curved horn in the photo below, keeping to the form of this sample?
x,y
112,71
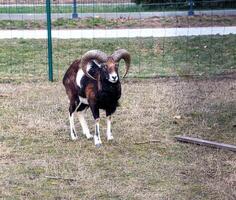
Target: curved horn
x,y
122,54
92,55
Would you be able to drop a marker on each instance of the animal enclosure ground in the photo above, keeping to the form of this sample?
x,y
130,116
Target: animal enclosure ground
x,y
34,136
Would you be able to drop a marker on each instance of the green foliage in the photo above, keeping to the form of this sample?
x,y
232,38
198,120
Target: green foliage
x,y
179,4
147,5
162,4
158,1
68,9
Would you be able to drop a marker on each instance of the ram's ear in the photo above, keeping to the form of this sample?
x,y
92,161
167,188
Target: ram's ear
x,y
89,56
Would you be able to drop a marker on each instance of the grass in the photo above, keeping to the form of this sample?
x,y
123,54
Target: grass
x,y
82,9
163,7
98,22
34,136
204,56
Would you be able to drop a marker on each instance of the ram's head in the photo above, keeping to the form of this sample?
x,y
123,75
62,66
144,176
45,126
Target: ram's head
x,y
109,64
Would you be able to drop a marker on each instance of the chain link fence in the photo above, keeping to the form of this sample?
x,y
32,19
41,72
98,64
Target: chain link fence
x,y
175,38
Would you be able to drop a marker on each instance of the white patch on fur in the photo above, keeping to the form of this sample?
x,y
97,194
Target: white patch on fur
x,y
109,133
73,133
113,77
80,75
84,125
83,100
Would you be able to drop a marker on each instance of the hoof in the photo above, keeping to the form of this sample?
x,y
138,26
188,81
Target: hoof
x,y
74,138
73,135
98,145
89,137
110,138
97,141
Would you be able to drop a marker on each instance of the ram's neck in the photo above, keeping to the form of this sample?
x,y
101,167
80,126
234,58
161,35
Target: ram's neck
x,y
110,91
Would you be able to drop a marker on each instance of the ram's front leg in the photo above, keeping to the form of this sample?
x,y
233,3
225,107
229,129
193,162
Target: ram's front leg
x,y
109,133
97,138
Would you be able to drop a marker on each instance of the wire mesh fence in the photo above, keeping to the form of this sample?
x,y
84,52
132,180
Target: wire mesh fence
x,y
162,37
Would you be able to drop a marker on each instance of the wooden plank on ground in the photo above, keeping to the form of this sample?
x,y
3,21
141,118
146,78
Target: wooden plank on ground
x,y
206,143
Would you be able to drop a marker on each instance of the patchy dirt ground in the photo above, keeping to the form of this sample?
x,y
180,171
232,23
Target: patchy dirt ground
x,y
190,21
162,22
101,23
34,130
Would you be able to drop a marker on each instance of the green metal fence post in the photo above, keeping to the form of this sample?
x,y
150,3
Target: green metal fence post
x,y
49,28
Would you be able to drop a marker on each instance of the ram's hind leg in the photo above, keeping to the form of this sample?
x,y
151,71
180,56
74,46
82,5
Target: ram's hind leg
x,y
73,133
84,125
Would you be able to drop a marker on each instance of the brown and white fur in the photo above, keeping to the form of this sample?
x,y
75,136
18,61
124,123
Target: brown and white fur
x,y
93,82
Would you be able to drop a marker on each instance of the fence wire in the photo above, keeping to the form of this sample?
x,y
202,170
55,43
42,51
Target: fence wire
x,y
163,38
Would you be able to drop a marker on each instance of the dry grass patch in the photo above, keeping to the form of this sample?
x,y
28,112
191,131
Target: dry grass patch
x,y
34,135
